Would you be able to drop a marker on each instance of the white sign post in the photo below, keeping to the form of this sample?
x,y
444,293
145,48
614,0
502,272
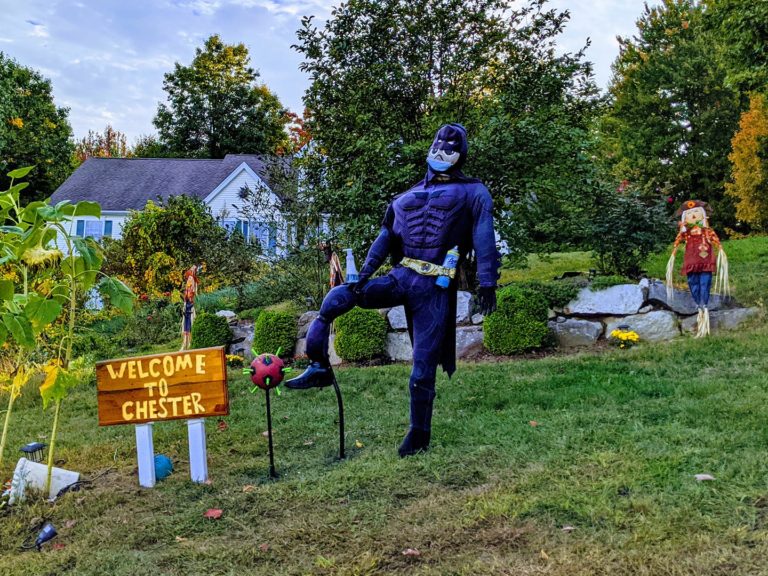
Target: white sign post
x,y
146,452
198,452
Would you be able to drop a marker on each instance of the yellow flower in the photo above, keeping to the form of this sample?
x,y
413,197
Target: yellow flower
x,y
39,255
16,122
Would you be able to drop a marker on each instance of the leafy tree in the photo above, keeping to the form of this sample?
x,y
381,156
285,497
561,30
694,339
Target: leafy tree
x,y
215,106
385,75
742,29
108,144
673,113
33,130
750,165
161,241
149,146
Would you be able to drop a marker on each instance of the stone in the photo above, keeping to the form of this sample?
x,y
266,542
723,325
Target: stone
x,y
463,306
242,338
616,300
396,318
645,309
561,319
721,319
681,301
305,320
656,326
469,341
399,347
477,318
334,358
551,314
300,350
228,314
573,332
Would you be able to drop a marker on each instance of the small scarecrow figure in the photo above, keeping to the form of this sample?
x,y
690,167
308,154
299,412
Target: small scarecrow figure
x,y
699,262
188,309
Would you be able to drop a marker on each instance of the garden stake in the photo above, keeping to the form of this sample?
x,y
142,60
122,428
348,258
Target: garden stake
x,y
266,372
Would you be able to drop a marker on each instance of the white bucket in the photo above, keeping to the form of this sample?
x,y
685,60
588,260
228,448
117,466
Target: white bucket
x,y
33,475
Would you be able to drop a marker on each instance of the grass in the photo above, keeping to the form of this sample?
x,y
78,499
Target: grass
x,y
607,444
748,267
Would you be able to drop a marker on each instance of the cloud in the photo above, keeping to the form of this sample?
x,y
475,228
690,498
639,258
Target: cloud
x,y
39,30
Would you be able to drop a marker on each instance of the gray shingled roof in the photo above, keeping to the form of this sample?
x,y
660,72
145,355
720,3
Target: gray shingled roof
x,y
127,183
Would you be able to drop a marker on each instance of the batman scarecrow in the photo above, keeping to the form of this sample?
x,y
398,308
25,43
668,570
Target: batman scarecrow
x,y
445,210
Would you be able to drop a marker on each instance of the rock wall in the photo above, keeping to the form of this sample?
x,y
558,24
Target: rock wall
x,y
590,317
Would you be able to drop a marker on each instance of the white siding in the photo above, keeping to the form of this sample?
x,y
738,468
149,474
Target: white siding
x,y
226,203
117,219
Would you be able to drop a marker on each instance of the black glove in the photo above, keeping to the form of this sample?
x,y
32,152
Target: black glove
x,y
486,296
357,287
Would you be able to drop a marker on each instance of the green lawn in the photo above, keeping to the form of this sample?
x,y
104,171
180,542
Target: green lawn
x,y
617,440
748,268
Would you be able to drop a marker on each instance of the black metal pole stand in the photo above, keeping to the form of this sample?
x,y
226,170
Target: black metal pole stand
x,y
341,415
272,472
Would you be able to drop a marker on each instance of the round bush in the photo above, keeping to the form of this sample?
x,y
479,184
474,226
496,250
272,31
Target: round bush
x,y
360,335
210,330
519,323
274,331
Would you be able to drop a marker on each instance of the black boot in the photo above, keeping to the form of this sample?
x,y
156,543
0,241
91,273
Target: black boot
x,y
416,441
317,375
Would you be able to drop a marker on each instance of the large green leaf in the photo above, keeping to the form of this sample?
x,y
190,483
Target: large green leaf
x,y
3,334
6,290
41,312
86,208
118,293
21,329
20,172
90,252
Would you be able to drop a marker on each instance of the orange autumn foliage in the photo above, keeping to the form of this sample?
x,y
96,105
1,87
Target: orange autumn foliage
x,y
749,158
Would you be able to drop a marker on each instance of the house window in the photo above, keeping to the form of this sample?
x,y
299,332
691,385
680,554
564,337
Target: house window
x,y
108,228
93,229
242,227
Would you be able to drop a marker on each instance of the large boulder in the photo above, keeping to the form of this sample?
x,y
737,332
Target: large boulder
x,y
681,301
722,319
399,347
654,326
228,314
305,320
573,332
242,338
396,317
616,300
469,341
301,350
463,306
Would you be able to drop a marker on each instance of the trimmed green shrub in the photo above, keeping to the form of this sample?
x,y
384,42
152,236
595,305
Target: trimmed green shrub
x,y
519,323
557,294
274,331
360,335
210,330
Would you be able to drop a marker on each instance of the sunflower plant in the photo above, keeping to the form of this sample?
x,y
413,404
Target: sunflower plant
x,y
44,285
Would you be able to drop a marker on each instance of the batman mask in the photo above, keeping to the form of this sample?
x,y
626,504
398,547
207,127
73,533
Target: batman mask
x,y
449,149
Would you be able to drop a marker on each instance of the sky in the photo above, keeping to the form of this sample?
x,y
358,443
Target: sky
x,y
106,58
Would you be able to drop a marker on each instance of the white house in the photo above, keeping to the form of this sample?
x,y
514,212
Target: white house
x,y
120,185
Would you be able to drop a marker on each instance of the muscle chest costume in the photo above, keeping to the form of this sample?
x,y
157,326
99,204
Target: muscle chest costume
x,y
420,226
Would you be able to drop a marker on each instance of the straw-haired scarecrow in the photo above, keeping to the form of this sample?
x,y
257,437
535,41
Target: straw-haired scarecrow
x,y
188,311
699,261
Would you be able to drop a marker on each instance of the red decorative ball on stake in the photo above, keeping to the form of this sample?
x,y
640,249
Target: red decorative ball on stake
x,y
267,371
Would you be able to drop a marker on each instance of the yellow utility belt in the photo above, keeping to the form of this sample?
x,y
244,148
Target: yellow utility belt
x,y
428,268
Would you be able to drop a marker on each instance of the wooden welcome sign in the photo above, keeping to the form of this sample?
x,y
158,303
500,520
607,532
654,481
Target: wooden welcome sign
x,y
189,384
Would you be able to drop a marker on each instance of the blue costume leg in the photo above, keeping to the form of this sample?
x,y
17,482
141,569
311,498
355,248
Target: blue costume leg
x,y
429,306
378,293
